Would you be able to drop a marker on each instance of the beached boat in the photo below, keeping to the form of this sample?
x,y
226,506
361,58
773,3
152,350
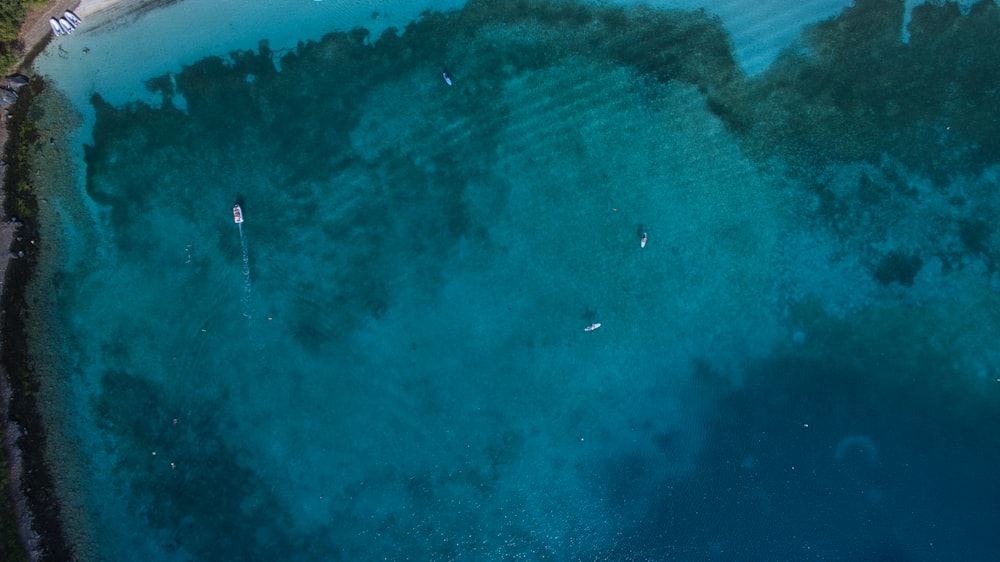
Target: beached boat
x,y
237,214
73,18
66,26
592,327
54,24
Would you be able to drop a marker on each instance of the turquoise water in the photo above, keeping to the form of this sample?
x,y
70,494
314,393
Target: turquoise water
x,y
388,358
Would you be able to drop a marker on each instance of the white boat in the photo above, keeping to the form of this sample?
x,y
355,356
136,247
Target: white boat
x,y
592,327
73,18
237,214
447,78
66,26
642,243
54,24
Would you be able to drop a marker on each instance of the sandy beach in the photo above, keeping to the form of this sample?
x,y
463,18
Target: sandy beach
x,y
36,31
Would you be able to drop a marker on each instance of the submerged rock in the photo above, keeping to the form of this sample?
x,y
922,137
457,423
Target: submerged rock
x,y
9,87
7,97
14,82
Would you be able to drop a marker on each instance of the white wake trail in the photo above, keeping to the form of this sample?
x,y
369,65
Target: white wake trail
x,y
247,283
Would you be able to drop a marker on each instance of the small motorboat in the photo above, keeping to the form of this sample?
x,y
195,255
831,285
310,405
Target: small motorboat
x,y
56,28
642,243
66,26
237,214
73,18
447,78
592,327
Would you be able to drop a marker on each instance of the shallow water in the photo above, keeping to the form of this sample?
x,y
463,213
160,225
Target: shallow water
x,y
388,358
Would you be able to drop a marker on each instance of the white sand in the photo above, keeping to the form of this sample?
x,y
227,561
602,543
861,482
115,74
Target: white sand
x,y
88,8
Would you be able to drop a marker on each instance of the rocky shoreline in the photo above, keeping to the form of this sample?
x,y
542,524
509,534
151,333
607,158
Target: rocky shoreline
x,y
33,503
29,480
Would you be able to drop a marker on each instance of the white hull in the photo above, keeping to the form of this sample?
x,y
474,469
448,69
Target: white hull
x,y
72,18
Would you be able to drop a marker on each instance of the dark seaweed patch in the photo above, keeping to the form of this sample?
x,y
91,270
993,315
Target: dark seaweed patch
x,y
205,487
858,92
279,134
869,193
975,235
898,267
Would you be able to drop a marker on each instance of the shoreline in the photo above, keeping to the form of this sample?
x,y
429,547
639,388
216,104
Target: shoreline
x,y
30,483
35,35
31,486
38,516
32,497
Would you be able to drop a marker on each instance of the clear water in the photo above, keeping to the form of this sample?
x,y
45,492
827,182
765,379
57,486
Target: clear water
x,y
387,359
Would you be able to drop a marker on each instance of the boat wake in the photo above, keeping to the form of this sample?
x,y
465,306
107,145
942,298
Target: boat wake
x,y
247,284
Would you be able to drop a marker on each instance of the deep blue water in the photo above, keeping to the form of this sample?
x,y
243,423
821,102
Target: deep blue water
x,y
388,360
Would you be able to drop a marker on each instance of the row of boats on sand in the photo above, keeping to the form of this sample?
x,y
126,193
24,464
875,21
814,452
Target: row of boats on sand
x,y
66,24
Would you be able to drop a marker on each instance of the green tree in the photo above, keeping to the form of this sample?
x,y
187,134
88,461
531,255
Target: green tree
x,y
12,13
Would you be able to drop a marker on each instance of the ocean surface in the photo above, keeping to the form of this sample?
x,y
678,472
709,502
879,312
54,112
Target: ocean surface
x,y
387,360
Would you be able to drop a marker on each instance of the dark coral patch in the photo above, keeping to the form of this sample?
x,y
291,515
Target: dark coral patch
x,y
857,91
898,267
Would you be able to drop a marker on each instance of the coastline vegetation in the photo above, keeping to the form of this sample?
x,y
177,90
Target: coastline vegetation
x,y
12,14
19,202
11,547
